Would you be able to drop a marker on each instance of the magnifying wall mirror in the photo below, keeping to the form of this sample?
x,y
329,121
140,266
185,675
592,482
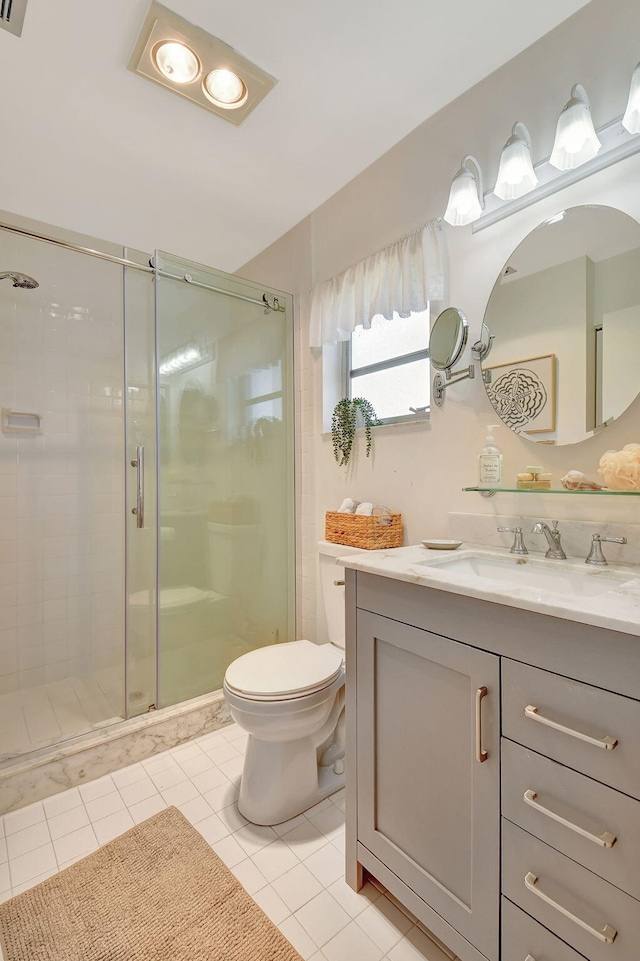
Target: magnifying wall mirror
x,y
448,338
447,341
564,315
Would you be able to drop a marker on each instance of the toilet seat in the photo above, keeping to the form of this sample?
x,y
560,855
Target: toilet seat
x,y
283,672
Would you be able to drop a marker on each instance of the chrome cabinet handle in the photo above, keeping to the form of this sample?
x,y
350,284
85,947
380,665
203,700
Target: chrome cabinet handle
x,y
138,510
607,743
481,755
605,934
605,840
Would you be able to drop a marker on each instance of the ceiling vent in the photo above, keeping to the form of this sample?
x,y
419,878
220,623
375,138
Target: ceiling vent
x,y
12,15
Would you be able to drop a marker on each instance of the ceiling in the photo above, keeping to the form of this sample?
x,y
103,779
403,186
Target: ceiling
x,y
90,146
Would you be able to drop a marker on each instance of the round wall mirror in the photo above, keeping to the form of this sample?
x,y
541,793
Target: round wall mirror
x,y
564,315
448,338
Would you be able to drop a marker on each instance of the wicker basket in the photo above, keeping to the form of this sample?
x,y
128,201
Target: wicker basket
x,y
368,533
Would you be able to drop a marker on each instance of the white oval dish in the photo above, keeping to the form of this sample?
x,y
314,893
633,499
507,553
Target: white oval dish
x,y
441,545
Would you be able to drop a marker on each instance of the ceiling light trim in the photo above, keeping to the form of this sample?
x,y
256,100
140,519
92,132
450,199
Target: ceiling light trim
x,y
164,26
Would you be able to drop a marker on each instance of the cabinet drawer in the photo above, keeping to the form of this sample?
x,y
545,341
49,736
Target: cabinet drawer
x,y
523,939
584,727
536,792
575,904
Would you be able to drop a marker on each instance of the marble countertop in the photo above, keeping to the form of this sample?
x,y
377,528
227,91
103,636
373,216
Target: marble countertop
x,y
617,609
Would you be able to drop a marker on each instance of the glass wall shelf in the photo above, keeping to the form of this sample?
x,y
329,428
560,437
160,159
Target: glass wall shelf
x,y
489,491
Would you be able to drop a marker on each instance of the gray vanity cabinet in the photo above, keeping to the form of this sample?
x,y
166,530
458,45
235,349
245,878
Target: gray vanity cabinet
x,y
424,806
428,785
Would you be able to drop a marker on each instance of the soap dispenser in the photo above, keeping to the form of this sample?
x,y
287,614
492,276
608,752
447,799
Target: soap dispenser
x,y
490,461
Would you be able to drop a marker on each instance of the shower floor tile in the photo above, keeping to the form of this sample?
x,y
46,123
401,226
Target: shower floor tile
x,y
37,716
299,884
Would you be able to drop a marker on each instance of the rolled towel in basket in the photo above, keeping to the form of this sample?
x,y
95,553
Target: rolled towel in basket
x,y
348,506
384,513
365,508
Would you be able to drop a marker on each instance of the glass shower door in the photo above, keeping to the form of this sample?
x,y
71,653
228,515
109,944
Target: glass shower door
x,y
225,473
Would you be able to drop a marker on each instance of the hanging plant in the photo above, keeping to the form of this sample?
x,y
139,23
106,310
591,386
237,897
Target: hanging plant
x,y
343,426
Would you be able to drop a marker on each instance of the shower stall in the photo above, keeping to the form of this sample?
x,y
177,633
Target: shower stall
x,y
146,483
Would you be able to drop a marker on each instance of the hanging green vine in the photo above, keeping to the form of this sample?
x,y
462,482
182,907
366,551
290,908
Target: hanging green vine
x,y
343,426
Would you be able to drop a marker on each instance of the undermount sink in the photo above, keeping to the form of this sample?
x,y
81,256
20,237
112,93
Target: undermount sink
x,y
542,575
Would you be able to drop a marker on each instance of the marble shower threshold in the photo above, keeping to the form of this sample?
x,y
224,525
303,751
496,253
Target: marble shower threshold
x,y
78,760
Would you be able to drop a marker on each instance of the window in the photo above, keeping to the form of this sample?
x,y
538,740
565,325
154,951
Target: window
x,y
389,365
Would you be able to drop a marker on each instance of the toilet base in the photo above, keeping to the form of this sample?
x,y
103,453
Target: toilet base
x,y
282,779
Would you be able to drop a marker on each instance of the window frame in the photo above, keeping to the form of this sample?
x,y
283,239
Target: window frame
x,y
349,372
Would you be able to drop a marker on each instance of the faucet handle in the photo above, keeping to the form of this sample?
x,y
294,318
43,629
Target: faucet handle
x,y
596,556
518,546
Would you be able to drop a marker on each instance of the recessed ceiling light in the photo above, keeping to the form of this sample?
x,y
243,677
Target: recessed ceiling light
x,y
176,62
225,88
175,54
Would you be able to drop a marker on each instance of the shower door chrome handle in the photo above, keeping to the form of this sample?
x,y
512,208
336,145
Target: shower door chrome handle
x,y
138,510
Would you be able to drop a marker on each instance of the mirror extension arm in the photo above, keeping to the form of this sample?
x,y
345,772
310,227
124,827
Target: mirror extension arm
x,y
440,384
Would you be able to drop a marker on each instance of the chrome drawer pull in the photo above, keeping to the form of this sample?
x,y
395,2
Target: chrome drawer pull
x,y
608,743
605,840
480,754
606,934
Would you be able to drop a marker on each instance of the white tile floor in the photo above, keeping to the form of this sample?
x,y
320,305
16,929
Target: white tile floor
x,y
293,871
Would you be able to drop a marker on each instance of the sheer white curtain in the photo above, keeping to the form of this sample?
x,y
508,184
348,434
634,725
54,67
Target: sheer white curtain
x,y
401,279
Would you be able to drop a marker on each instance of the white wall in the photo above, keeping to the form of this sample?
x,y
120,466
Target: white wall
x,y
421,470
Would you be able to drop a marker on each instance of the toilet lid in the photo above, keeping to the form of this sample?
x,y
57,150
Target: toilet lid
x,y
284,670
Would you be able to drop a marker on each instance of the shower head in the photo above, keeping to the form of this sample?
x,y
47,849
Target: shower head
x,y
20,280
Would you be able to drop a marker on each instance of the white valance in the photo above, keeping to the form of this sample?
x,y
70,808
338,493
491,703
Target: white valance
x,y
401,279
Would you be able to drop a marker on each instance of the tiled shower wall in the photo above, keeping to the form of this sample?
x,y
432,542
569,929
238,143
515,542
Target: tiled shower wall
x,y
61,491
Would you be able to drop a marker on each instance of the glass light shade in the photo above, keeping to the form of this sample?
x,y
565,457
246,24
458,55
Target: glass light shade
x,y
576,139
631,119
516,176
225,88
465,197
176,62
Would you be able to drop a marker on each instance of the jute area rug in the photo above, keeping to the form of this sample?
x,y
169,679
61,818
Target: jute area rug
x,y
156,893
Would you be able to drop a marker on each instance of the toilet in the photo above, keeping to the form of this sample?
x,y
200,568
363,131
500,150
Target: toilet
x,y
289,698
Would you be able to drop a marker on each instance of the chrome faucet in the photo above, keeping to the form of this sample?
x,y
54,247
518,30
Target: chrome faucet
x,y
518,546
595,554
553,539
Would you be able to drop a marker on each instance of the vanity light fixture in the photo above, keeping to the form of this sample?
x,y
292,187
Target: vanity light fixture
x,y
516,175
631,119
576,138
466,201
189,61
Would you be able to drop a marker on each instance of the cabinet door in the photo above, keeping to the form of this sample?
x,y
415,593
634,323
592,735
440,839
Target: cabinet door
x,y
427,807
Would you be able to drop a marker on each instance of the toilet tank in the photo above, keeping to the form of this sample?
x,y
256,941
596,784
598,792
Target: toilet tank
x,y
332,594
